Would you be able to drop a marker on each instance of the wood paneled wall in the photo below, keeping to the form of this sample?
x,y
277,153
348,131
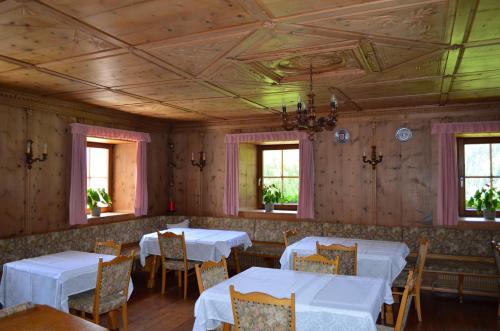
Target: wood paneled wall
x,y
401,191
36,200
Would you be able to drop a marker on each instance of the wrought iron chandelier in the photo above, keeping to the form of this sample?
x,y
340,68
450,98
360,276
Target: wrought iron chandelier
x,y
305,118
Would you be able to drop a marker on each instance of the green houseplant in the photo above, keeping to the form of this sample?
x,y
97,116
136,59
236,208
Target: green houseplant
x,y
271,194
486,200
94,197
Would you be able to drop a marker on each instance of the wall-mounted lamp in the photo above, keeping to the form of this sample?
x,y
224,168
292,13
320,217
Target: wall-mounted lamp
x,y
201,162
29,154
374,160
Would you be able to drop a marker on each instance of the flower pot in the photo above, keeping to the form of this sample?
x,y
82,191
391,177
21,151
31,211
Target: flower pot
x,y
489,214
269,207
96,211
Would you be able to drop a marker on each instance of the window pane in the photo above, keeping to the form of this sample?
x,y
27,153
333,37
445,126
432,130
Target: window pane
x,y
474,184
495,154
99,162
477,159
291,162
291,190
271,163
496,183
96,183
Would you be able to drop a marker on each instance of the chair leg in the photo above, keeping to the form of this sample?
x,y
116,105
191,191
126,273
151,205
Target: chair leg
x,y
125,317
417,306
498,311
185,283
163,279
112,320
152,272
97,318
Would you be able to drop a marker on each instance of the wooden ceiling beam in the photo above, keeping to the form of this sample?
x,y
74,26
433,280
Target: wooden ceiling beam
x,y
256,10
460,31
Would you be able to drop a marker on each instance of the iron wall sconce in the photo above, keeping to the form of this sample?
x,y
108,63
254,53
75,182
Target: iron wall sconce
x,y
201,162
29,154
374,160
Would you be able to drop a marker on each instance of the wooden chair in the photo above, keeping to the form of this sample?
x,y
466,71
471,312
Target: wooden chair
x,y
348,257
291,237
108,247
496,252
418,271
271,313
110,294
174,257
315,263
404,306
16,309
211,273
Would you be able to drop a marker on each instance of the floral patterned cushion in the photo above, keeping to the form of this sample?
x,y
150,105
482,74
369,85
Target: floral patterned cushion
x,y
254,316
314,266
85,302
177,264
213,276
115,278
171,247
347,260
15,309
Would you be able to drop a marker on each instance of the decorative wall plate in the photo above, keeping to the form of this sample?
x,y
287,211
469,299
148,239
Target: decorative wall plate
x,y
403,134
342,136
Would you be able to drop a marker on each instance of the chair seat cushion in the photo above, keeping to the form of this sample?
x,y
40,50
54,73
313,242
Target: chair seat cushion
x,y
461,267
384,328
85,302
400,281
178,265
263,249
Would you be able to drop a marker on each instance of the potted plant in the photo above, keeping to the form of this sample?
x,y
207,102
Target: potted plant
x,y
271,195
95,197
486,200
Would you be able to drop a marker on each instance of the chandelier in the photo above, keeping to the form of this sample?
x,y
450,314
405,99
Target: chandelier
x,y
305,118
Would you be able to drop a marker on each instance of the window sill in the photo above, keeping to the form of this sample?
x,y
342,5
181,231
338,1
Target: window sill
x,y
282,215
111,216
478,222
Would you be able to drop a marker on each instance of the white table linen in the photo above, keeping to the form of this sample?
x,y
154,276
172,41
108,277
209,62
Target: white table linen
x,y
50,279
322,302
201,244
380,259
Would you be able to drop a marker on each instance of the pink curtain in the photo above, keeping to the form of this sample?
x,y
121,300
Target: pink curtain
x,y
141,186
78,189
78,194
447,209
306,159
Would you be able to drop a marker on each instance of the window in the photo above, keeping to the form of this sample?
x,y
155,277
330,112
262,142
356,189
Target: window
x,y
478,165
279,165
99,168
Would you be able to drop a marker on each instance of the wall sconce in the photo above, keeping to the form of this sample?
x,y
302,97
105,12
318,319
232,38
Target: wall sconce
x,y
202,161
374,160
29,154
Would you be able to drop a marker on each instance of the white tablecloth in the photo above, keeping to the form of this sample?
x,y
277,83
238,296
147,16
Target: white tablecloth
x,y
50,279
201,244
380,259
322,302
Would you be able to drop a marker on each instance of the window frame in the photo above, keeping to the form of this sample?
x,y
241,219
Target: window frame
x,y
110,148
260,150
461,142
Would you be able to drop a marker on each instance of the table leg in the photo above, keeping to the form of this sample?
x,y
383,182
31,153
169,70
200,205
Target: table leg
x,y
389,316
236,260
226,327
152,272
461,288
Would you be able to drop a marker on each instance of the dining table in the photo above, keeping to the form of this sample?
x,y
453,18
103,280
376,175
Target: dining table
x,y
46,318
322,301
375,258
51,279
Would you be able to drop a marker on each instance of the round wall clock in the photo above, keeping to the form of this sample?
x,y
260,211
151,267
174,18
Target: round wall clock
x,y
403,134
342,136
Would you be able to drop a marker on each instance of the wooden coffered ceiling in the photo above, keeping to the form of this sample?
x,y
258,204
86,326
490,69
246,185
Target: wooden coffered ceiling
x,y
206,60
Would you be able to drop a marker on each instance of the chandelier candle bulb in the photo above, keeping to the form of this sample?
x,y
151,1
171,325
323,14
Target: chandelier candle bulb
x,y
44,148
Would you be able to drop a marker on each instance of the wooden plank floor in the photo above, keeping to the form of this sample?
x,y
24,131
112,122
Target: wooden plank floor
x,y
149,310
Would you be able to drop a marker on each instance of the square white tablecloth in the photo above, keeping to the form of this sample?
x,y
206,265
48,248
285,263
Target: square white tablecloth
x,y
201,244
322,302
50,279
380,259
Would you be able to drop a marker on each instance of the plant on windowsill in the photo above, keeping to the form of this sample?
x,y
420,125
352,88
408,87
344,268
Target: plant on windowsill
x,y
486,200
96,197
271,194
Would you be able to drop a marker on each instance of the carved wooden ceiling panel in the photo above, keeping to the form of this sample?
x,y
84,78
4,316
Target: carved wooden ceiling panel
x,y
210,60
